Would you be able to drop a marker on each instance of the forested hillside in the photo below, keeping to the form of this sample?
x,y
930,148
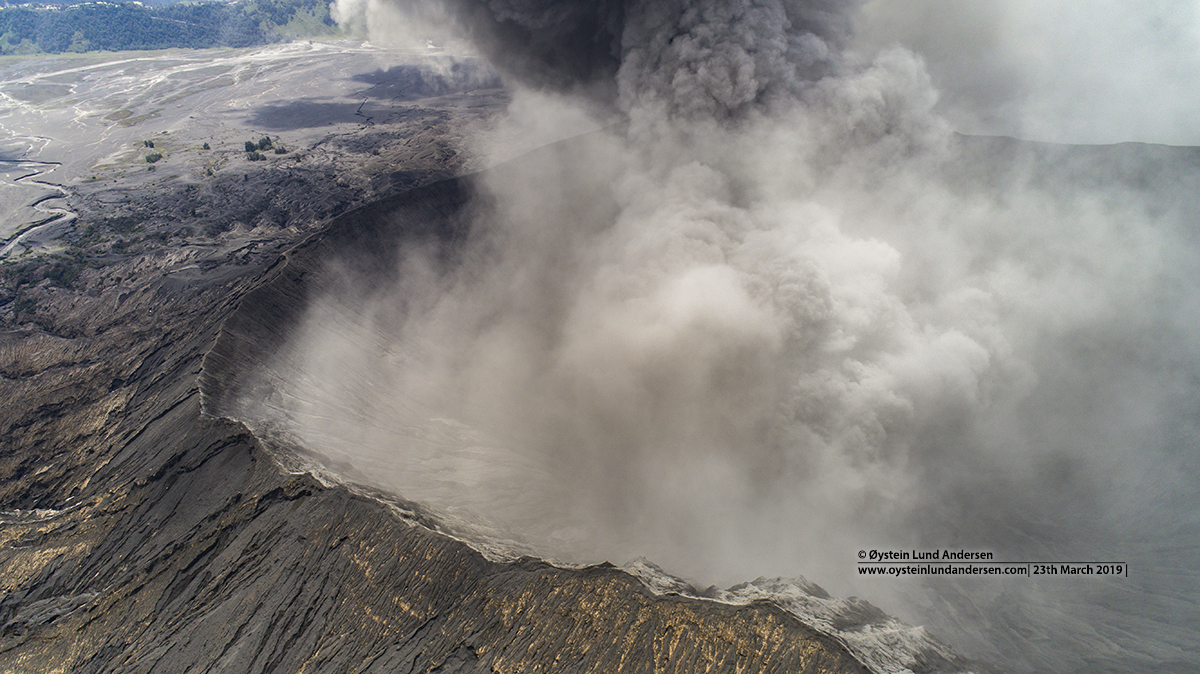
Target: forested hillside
x,y
117,26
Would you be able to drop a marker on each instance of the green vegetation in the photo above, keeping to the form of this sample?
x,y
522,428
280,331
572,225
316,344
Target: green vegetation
x,y
153,157
264,143
121,26
63,273
61,270
122,224
25,305
147,143
205,147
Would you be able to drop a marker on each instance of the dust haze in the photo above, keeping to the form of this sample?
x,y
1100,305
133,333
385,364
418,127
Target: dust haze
x,y
1107,71
766,308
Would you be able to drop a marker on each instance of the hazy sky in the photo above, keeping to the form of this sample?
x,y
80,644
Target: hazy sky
x,y
1101,71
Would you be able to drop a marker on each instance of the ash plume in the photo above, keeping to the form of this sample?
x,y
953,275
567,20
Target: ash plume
x,y
767,310
715,58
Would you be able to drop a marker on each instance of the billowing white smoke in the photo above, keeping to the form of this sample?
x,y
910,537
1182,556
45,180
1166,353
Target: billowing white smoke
x,y
768,321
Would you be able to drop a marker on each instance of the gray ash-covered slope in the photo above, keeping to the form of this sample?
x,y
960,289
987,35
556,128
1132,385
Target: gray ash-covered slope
x,y
140,534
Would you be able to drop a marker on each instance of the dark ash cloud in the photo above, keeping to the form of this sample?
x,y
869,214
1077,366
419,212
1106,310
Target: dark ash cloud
x,y
695,57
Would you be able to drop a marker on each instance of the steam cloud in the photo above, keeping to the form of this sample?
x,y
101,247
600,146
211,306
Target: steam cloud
x,y
779,313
